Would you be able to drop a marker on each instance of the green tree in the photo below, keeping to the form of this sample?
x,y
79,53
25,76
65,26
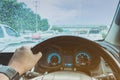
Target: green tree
x,y
44,25
56,28
19,17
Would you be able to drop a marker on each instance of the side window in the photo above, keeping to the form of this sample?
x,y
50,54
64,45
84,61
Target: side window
x,y
1,33
10,32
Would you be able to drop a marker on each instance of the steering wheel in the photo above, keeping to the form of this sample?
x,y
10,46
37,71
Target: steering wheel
x,y
107,56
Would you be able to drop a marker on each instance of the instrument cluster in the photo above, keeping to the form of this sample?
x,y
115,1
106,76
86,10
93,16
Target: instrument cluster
x,y
80,59
65,58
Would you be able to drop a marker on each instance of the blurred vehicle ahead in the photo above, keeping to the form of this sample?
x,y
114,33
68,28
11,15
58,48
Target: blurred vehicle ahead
x,y
9,35
92,34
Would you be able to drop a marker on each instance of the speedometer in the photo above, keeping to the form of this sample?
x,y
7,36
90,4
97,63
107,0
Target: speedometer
x,y
83,58
54,59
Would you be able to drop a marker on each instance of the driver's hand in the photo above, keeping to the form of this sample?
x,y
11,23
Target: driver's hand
x,y
24,59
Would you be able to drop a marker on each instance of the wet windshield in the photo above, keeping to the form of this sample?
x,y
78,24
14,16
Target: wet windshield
x,y
28,22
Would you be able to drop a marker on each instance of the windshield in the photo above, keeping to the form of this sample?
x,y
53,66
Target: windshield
x,y
28,22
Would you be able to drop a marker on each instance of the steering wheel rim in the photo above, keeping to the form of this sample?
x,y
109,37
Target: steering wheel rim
x,y
104,53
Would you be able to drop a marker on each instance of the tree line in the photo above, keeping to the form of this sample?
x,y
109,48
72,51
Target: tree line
x,y
18,16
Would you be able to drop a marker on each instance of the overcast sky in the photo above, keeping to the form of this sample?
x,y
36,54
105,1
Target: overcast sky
x,y
74,11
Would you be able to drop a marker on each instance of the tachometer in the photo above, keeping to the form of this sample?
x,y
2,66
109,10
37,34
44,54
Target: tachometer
x,y
54,59
83,58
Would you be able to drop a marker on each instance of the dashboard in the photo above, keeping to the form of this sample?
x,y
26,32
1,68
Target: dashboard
x,y
67,56
70,55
